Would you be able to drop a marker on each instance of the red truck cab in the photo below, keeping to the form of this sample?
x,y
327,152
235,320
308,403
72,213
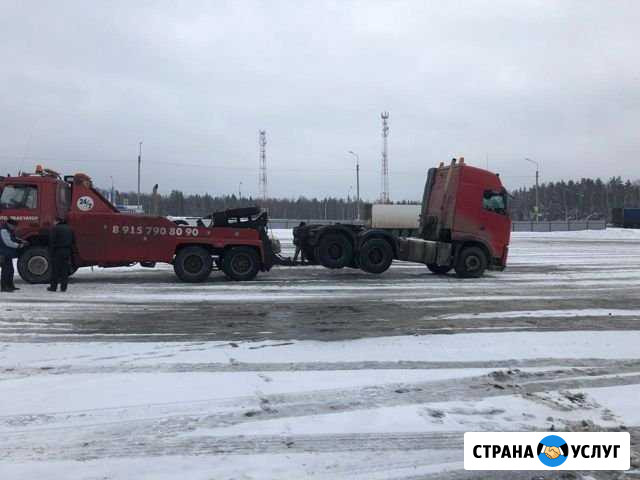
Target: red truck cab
x,y
106,237
467,207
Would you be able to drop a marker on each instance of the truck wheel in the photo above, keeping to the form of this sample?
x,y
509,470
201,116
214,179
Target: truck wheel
x,y
335,251
376,255
34,265
193,264
471,262
241,263
439,269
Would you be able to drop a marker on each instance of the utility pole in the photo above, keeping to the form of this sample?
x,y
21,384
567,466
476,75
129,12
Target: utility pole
x,y
357,183
606,201
537,212
240,191
262,178
139,163
384,194
113,192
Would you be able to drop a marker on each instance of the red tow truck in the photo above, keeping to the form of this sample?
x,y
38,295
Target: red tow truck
x,y
464,225
105,237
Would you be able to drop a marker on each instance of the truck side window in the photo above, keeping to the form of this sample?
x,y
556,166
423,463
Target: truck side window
x,y
494,202
63,200
19,197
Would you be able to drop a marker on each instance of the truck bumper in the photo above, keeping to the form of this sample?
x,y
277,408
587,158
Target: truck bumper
x,y
499,263
496,265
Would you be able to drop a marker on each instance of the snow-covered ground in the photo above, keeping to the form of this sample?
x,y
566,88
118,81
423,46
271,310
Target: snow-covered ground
x,y
308,373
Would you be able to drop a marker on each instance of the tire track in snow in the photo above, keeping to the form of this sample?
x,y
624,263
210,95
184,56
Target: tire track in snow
x,y
161,434
248,444
611,365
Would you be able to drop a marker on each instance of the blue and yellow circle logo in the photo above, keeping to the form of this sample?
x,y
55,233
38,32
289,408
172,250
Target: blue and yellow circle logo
x,y
553,450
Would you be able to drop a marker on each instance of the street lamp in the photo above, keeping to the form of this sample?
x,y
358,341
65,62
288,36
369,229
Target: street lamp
x,y
240,191
139,163
537,212
357,183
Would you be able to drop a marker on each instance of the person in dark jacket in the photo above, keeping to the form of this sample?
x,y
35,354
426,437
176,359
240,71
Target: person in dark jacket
x,y
9,246
60,244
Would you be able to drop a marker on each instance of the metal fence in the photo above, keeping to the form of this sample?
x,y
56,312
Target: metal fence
x,y
519,226
558,226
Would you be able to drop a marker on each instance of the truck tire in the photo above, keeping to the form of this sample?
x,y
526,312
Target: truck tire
x,y
241,264
376,255
193,264
34,265
471,262
334,251
439,269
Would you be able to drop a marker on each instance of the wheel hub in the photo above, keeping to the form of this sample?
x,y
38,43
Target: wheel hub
x,y
38,265
241,264
335,251
193,264
472,263
375,256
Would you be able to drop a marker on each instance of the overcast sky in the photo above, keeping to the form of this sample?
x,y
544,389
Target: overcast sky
x,y
83,82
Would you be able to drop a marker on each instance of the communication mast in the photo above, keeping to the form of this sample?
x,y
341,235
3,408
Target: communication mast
x,y
262,177
384,191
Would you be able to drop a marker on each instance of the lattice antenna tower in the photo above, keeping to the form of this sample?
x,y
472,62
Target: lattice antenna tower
x,y
384,187
262,177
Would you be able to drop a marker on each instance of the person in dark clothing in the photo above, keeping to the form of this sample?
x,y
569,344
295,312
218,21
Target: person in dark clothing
x,y
60,244
9,246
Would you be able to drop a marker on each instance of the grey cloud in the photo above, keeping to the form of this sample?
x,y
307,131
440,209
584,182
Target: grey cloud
x,y
83,82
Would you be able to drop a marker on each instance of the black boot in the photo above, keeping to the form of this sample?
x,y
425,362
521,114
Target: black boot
x,y
52,289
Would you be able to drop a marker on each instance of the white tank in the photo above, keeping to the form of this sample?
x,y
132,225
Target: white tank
x,y
395,216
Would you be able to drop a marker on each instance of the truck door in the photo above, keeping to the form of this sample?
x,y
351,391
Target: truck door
x,y
495,220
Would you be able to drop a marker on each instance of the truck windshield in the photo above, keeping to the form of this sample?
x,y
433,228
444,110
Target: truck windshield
x,y
494,202
19,197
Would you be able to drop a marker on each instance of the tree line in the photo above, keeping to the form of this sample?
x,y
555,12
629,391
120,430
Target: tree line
x,y
575,200
195,205
571,200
